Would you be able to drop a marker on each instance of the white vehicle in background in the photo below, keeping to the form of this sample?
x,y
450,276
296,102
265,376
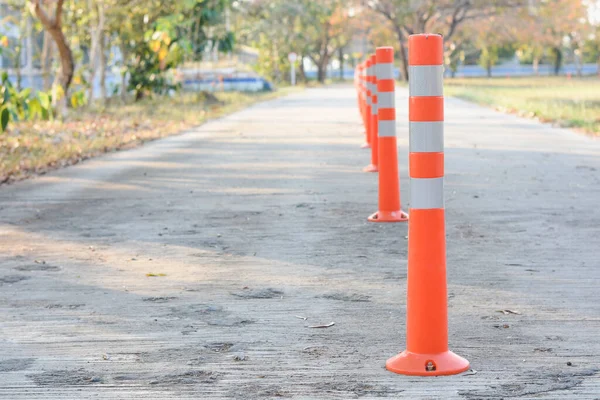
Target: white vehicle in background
x,y
223,79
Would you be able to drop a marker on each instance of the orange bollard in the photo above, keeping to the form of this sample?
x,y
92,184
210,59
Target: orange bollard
x,y
367,107
427,310
362,89
357,84
356,87
372,116
389,183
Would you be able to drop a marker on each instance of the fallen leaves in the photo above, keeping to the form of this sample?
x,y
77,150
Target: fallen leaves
x,y
152,274
28,148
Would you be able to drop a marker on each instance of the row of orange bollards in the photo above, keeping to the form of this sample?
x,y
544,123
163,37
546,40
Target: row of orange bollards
x,y
426,317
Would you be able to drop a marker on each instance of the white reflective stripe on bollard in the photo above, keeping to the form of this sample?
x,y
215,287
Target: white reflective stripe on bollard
x,y
385,71
426,80
386,100
426,193
426,137
386,128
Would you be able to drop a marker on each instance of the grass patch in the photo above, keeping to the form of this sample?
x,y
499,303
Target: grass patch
x,y
36,147
573,103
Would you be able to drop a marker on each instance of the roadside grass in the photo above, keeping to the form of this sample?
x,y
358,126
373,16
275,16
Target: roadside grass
x,y
29,148
572,103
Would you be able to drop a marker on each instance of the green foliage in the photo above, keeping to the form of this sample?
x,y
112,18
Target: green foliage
x,y
198,25
506,51
527,53
489,57
4,116
154,57
591,49
78,99
314,30
157,36
22,105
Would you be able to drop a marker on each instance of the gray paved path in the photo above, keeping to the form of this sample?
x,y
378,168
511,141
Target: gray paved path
x,y
261,217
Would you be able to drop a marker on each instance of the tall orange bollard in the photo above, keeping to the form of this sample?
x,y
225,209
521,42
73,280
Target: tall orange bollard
x,y
389,183
427,309
372,116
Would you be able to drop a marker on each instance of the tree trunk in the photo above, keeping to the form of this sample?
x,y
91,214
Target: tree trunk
x,y
322,68
92,65
29,46
404,62
276,72
54,27
321,72
19,52
96,48
67,65
301,69
403,57
17,66
102,69
557,60
489,69
598,65
46,60
123,72
536,65
341,59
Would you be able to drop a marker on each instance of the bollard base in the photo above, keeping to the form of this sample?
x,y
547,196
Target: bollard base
x,y
407,363
389,216
371,168
365,145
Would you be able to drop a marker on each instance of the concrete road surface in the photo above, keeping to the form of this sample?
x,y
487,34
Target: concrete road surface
x,y
193,268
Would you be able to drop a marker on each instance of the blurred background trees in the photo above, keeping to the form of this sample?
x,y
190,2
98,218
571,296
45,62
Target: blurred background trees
x,y
79,51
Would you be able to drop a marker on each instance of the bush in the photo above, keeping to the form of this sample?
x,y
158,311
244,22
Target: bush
x,y
22,105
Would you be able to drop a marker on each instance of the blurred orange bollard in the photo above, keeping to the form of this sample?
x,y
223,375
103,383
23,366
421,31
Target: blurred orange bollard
x,y
427,309
372,116
389,184
368,101
362,102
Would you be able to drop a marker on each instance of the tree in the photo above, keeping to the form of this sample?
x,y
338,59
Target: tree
x,y
156,35
53,25
409,17
328,28
97,57
275,28
316,30
489,35
547,24
591,47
